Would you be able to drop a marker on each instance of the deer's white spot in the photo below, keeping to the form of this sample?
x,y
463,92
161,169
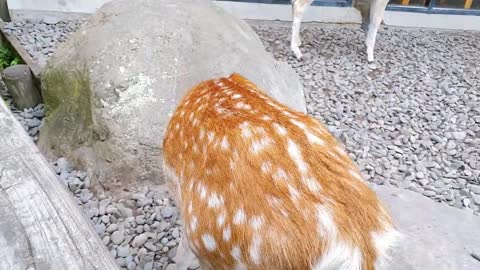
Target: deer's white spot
x,y
355,174
259,145
190,207
341,151
256,222
221,220
224,143
227,234
255,250
266,167
195,122
296,155
201,134
193,223
340,254
209,242
280,129
293,192
311,184
298,124
236,253
314,139
239,217
203,191
215,201
280,174
274,105
288,114
326,224
236,96
245,129
210,136
190,185
241,105
266,118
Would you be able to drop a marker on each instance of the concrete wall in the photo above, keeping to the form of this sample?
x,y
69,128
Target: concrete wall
x,y
77,6
276,12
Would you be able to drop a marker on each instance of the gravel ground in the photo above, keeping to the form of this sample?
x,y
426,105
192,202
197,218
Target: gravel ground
x,y
41,38
414,122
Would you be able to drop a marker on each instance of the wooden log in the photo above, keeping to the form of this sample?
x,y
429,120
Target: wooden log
x,y
41,227
19,81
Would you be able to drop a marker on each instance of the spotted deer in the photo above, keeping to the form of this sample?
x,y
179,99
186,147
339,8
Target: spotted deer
x,y
372,17
261,186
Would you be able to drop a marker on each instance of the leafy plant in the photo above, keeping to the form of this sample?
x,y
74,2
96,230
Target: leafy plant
x,y
8,57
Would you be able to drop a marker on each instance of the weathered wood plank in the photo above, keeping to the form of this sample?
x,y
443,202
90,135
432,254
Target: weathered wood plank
x,y
52,231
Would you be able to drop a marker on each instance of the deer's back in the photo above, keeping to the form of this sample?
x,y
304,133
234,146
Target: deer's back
x,y
265,187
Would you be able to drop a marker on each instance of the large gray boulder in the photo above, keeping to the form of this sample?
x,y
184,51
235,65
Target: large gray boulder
x,y
436,236
111,88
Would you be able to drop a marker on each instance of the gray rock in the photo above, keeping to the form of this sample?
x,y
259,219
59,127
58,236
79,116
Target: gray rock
x,y
435,228
139,240
64,165
103,206
475,189
117,237
121,262
111,228
147,81
85,196
148,266
459,135
123,251
33,123
75,185
140,220
176,233
100,228
106,240
167,212
150,246
39,113
51,20
476,198
105,219
131,266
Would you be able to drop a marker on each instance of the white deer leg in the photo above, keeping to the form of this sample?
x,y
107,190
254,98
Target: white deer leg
x,y
377,11
299,7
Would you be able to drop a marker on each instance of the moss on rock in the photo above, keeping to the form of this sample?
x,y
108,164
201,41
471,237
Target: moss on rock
x,y
67,97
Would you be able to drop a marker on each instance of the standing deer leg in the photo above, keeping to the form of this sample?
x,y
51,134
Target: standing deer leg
x,y
298,8
377,11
